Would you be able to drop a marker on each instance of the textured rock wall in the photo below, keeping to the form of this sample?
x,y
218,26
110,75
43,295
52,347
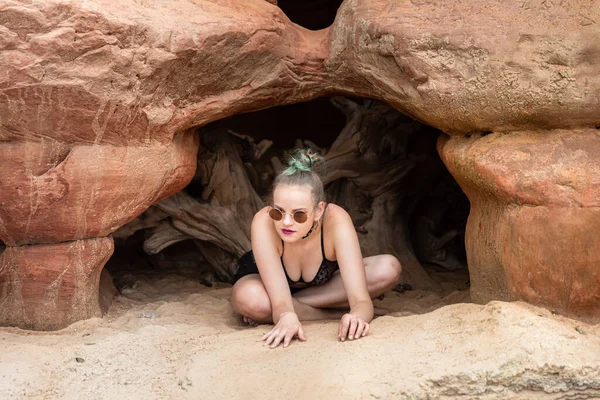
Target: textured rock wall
x,y
85,190
51,286
97,99
533,230
132,74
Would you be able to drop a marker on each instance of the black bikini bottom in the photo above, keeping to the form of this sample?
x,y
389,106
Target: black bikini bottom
x,y
246,266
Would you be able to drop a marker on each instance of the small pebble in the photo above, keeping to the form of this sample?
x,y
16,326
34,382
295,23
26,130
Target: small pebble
x,y
79,359
147,314
580,330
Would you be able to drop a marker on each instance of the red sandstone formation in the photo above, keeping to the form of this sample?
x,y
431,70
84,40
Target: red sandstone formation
x,y
463,66
79,191
533,233
96,98
53,285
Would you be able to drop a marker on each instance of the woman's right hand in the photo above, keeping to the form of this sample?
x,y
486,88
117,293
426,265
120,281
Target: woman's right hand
x,y
287,327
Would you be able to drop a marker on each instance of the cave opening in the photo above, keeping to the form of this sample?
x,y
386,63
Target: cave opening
x,y
311,14
379,164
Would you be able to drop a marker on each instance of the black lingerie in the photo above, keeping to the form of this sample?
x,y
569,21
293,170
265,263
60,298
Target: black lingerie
x,y
247,266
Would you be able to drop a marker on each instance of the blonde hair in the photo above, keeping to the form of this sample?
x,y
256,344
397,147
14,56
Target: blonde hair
x,y
300,172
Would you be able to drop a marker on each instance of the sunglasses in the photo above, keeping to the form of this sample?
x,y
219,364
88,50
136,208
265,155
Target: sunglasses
x,y
277,215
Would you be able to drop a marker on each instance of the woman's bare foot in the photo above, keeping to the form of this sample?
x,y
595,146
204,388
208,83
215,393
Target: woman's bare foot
x,y
249,321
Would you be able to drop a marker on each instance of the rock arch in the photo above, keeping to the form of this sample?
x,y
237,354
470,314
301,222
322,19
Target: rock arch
x,y
95,96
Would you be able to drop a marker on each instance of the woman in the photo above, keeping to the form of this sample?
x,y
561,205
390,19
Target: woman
x,y
306,262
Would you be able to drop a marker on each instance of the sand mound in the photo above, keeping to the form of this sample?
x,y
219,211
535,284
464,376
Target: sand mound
x,y
174,338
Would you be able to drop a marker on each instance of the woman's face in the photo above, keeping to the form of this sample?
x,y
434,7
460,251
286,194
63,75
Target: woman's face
x,y
289,199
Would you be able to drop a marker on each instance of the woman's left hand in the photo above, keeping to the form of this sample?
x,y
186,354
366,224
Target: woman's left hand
x,y
352,327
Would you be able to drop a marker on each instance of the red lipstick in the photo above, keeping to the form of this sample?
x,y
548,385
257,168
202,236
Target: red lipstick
x,y
287,231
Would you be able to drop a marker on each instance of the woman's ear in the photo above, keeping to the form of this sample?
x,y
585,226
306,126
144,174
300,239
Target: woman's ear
x,y
321,208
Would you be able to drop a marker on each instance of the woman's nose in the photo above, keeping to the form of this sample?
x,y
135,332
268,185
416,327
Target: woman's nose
x,y
288,220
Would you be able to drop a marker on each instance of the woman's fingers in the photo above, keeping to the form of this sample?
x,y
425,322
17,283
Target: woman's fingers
x,y
277,340
360,329
301,335
286,329
275,337
271,338
344,325
266,335
353,324
352,327
287,339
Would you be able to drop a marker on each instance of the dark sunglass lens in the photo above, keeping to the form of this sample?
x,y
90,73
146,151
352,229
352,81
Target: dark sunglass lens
x,y
300,216
275,214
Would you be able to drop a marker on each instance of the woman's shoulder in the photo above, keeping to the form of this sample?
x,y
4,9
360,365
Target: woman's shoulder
x,y
337,227
334,209
261,217
336,215
262,227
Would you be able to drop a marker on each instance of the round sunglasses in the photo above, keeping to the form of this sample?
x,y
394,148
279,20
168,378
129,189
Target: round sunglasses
x,y
277,215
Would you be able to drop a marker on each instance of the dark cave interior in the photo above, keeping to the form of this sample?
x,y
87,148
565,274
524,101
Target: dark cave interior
x,y
311,14
434,209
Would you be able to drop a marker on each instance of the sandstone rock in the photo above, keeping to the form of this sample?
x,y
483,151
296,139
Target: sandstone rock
x,y
124,73
463,66
533,229
48,287
51,192
154,70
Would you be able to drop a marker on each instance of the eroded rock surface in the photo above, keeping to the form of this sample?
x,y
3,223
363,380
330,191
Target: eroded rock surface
x,y
462,66
52,192
99,72
53,285
126,73
535,211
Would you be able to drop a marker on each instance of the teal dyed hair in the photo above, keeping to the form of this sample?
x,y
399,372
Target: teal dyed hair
x,y
301,161
299,172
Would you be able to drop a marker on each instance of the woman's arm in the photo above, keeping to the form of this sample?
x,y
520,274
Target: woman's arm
x,y
265,248
268,261
352,271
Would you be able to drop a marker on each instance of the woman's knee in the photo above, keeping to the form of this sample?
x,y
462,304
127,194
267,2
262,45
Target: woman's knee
x,y
388,270
250,299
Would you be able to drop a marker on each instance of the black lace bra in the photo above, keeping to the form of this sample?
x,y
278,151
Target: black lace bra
x,y
326,269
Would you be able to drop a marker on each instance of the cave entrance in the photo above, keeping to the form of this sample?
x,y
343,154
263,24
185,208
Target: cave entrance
x,y
380,165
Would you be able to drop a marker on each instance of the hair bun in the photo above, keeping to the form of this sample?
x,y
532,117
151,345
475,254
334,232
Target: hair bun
x,y
303,160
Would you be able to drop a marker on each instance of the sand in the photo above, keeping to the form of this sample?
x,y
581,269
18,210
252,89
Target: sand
x,y
170,337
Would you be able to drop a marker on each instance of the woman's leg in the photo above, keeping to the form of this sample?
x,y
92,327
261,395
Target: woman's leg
x,y
383,272
250,299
